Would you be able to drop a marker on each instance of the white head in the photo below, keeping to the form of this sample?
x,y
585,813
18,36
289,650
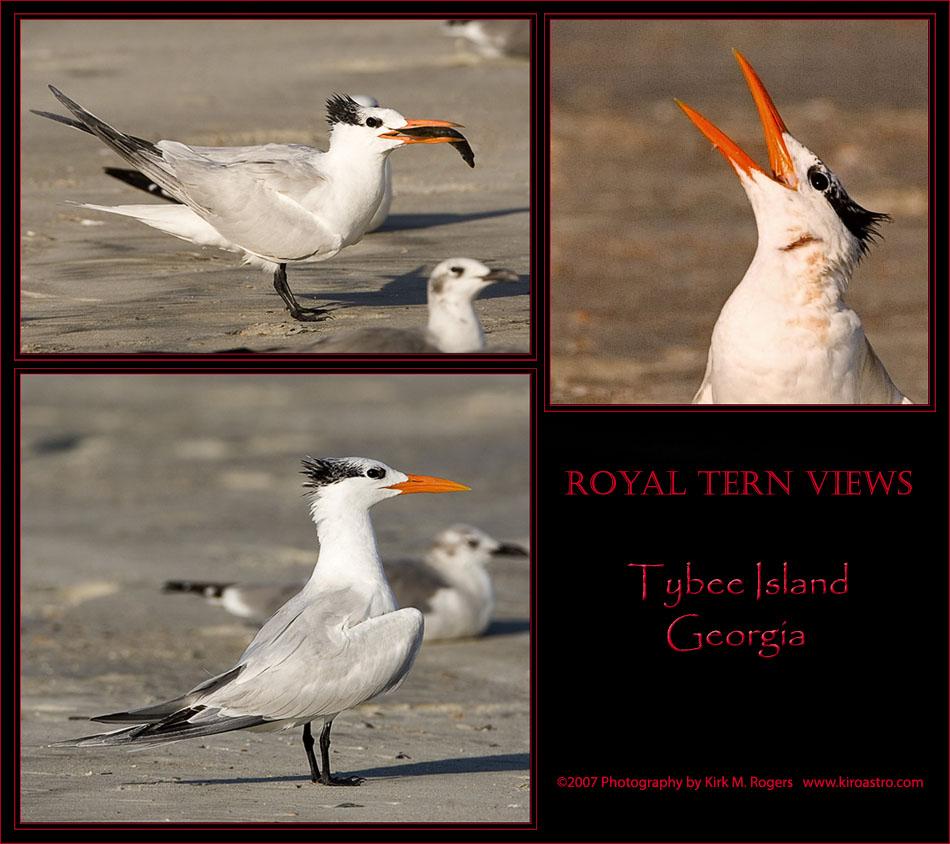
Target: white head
x,y
465,545
452,287
800,208
359,483
464,278
382,129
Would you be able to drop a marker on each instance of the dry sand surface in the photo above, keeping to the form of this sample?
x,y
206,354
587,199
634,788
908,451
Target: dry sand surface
x,y
650,228
131,480
94,282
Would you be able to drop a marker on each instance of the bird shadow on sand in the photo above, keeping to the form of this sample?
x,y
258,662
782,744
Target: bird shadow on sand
x,y
438,767
409,288
508,627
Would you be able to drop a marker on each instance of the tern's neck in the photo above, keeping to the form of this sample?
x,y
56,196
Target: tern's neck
x,y
354,150
454,324
349,556
357,182
801,269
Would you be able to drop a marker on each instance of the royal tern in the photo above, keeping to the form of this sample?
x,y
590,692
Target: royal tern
x,y
785,335
453,325
137,180
450,584
336,644
276,203
493,38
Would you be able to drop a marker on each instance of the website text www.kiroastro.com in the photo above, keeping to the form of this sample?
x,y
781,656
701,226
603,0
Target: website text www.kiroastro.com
x,y
768,783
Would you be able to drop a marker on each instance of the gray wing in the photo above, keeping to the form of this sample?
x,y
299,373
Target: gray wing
x,y
171,720
264,201
189,702
414,582
304,663
316,662
251,195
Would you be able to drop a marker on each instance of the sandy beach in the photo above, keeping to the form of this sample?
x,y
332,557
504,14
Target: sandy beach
x,y
128,481
94,282
650,229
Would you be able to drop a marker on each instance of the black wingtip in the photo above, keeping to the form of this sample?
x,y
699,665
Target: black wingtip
x,y
207,590
112,718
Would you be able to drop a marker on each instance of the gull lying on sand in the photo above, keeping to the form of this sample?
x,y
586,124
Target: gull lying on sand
x,y
449,584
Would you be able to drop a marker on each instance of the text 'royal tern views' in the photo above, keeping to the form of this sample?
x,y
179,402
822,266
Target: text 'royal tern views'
x,y
785,335
275,203
339,642
453,325
450,584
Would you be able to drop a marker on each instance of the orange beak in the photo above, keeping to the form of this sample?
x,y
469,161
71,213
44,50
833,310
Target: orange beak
x,y
423,483
780,161
426,136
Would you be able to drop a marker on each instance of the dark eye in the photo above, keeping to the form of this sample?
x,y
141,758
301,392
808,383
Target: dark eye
x,y
473,543
375,474
373,122
817,179
457,270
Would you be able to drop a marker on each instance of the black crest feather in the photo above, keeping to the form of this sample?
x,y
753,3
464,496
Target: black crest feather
x,y
323,471
342,109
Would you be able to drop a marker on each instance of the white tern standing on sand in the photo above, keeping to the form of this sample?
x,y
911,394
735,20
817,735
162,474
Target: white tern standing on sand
x,y
339,642
276,203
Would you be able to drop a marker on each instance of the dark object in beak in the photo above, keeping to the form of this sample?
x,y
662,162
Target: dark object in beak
x,y
441,132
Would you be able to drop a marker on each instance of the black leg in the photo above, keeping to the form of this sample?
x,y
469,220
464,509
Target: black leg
x,y
326,779
303,314
308,746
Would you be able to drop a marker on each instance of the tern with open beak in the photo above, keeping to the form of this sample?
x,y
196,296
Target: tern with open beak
x,y
339,642
275,203
785,335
